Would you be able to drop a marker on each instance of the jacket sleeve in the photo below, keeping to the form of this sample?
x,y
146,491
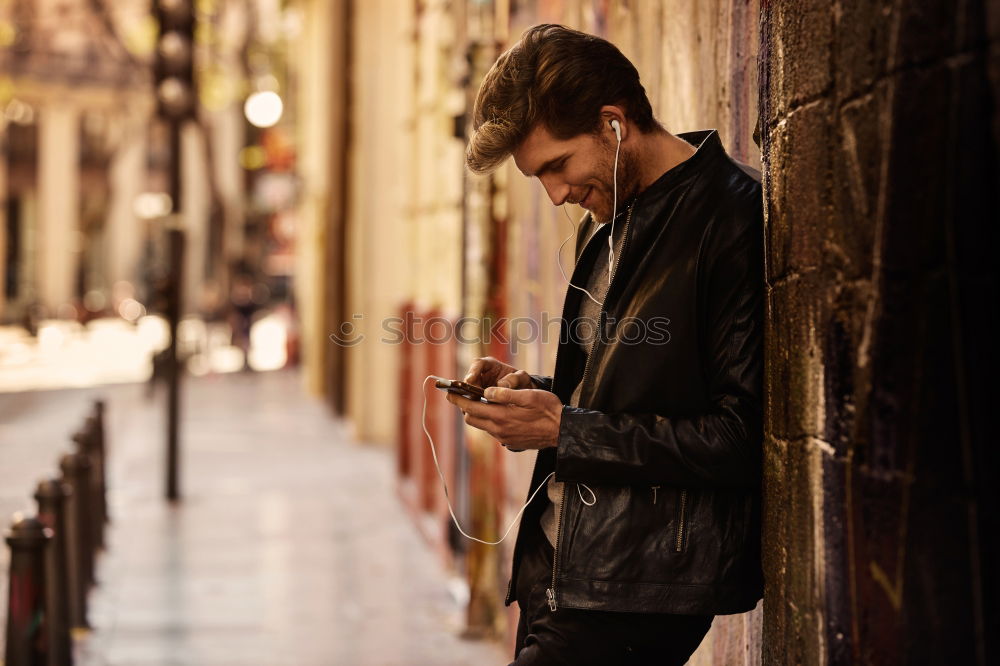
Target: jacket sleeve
x,y
719,448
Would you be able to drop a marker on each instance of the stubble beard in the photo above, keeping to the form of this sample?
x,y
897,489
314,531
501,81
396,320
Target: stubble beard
x,y
628,182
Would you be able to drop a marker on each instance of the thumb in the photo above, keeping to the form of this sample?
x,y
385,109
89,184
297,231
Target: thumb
x,y
522,397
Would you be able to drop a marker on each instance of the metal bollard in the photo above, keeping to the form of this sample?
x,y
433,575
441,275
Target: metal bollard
x,y
26,635
99,408
86,441
76,472
51,497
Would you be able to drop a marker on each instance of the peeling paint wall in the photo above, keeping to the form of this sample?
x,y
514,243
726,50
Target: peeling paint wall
x,y
880,165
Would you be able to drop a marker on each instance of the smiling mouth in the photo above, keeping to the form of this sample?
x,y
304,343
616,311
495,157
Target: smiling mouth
x,y
583,201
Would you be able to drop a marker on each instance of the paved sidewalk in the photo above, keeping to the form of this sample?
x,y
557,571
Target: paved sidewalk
x,y
289,546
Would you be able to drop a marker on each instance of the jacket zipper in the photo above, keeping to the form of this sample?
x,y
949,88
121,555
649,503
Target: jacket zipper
x,y
550,593
680,522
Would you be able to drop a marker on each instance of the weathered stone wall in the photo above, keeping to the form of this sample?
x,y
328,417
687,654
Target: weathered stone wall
x,y
881,195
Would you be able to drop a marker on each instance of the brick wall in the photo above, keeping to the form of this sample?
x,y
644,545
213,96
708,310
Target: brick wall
x,y
881,187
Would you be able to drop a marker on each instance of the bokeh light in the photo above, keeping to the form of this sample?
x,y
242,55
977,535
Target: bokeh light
x,y
150,205
263,109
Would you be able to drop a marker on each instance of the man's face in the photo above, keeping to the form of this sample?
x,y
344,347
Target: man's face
x,y
578,170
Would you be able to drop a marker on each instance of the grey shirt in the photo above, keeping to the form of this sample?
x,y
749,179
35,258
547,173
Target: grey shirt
x,y
583,330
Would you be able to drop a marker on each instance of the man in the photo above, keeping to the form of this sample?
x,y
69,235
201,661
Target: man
x,y
650,443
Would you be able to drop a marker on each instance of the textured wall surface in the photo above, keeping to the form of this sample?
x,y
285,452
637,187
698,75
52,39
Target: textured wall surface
x,y
881,189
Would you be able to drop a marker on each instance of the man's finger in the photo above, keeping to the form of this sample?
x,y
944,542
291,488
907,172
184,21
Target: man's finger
x,y
480,409
509,396
510,381
516,380
484,424
460,401
472,377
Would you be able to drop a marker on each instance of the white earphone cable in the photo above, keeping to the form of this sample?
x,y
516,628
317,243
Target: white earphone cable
x,y
611,246
614,213
447,498
559,257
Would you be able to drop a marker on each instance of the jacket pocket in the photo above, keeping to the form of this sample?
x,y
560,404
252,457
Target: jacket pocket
x,y
679,539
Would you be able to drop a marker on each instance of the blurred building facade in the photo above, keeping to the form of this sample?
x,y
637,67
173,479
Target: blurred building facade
x,y
76,109
84,174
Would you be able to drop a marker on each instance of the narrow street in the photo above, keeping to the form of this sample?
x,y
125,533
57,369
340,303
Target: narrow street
x,y
288,547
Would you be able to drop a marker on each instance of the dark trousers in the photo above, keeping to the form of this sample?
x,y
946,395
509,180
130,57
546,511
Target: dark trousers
x,y
579,637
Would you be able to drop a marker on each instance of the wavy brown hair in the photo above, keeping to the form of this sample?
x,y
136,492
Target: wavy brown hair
x,y
555,76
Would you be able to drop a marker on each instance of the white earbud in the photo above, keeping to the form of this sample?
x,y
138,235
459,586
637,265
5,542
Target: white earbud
x,y
617,128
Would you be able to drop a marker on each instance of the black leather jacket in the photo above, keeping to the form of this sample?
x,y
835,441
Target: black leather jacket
x,y
668,435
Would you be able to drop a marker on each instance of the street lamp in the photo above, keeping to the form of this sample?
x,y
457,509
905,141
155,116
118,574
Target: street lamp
x,y
263,109
174,66
173,70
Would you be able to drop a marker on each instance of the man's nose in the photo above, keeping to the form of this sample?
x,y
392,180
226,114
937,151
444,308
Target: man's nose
x,y
557,190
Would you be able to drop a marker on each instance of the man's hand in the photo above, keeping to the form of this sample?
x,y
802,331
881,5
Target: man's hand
x,y
488,371
524,419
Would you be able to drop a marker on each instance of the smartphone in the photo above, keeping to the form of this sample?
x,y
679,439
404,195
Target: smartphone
x,y
464,389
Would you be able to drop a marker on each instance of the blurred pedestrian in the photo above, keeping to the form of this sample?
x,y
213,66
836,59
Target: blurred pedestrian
x,y
241,311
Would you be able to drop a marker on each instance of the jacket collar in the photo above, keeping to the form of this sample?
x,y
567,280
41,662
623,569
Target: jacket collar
x,y
708,147
652,214
649,202
663,192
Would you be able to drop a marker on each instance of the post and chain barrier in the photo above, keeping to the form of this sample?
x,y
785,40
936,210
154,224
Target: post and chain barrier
x,y
53,555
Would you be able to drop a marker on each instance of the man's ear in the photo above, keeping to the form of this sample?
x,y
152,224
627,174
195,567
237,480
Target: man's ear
x,y
609,113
